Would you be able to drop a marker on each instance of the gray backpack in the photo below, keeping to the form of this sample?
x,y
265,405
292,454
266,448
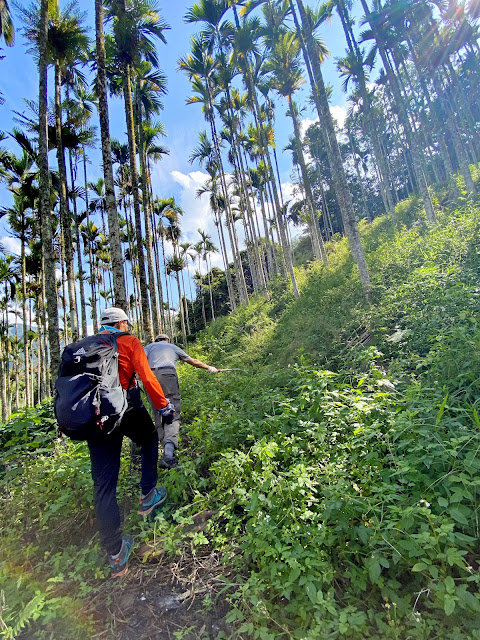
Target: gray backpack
x,y
89,399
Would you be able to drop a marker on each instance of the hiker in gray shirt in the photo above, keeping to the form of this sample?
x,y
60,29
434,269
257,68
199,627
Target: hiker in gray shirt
x,y
162,357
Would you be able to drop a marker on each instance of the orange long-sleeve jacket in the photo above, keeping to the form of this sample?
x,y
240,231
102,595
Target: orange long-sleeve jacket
x,y
131,357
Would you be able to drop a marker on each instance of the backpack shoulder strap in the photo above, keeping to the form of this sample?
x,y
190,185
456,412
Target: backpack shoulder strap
x,y
116,336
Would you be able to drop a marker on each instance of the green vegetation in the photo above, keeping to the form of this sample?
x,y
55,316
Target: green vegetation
x,y
342,467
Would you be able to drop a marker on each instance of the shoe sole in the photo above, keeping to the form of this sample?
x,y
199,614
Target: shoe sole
x,y
121,573
150,509
168,465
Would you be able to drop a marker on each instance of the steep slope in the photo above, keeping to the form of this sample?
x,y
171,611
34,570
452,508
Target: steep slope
x,y
327,489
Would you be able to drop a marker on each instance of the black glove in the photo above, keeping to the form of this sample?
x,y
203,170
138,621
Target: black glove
x,y
167,413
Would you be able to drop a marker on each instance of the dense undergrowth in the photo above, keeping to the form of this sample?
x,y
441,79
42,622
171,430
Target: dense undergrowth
x,y
342,464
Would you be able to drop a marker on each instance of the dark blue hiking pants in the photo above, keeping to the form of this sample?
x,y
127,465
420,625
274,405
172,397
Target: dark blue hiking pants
x,y
105,460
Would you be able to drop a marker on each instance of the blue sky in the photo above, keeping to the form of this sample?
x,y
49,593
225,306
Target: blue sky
x,y
174,176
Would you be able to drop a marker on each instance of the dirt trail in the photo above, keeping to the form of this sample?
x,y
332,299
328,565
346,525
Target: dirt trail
x,y
161,596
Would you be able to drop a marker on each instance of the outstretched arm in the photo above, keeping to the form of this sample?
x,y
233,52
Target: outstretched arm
x,y
201,365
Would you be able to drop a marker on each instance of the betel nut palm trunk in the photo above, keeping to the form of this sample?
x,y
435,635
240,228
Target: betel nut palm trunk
x,y
342,190
46,222
317,241
148,227
405,121
113,226
127,94
65,216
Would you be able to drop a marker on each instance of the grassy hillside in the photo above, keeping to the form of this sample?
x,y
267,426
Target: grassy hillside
x,y
336,477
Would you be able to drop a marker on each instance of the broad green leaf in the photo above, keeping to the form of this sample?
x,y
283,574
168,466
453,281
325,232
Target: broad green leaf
x,y
458,515
450,584
449,604
311,592
374,569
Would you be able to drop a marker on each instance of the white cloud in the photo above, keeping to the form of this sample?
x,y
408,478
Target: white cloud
x,y
339,114
11,245
196,211
304,124
288,189
182,179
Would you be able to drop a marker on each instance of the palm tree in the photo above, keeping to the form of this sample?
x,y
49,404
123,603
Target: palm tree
x,y
283,63
67,43
7,30
208,154
150,84
312,61
169,214
184,248
114,231
176,264
198,249
19,224
394,85
98,203
352,69
208,248
200,67
247,57
91,237
45,212
9,277
135,24
217,205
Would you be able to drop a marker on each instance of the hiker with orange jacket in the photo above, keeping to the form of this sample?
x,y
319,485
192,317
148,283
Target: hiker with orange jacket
x,y
136,424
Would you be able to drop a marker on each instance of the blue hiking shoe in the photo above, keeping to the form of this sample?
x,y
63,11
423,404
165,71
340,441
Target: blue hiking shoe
x,y
154,498
119,562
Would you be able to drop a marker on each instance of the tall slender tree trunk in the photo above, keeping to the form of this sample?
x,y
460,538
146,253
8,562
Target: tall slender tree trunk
x,y
147,221
223,247
81,273
65,216
3,383
113,226
41,360
180,310
209,278
201,290
317,241
28,398
146,315
185,301
405,120
359,175
45,337
384,177
44,199
277,208
335,159
155,251
239,274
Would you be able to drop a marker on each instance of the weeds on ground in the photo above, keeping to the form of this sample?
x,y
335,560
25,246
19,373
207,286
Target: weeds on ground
x,y
341,475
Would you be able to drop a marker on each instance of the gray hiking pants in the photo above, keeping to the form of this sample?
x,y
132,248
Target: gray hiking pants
x,y
168,380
